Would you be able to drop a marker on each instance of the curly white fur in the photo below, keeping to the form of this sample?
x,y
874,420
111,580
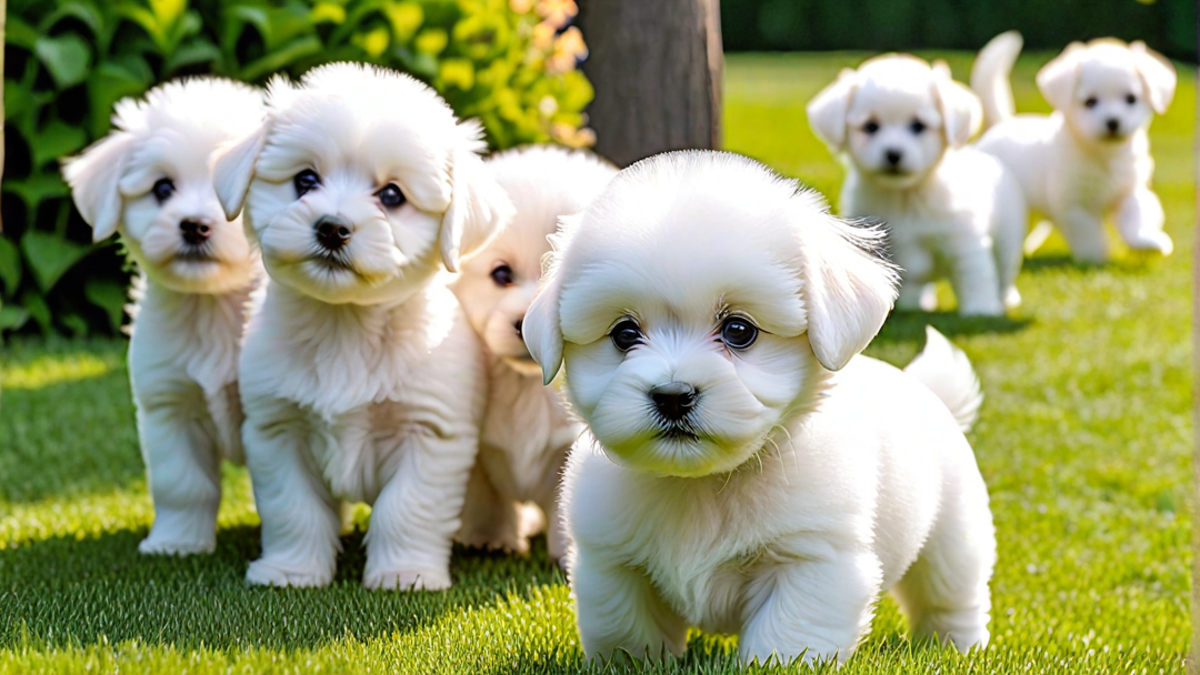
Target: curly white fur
x,y
803,480
950,210
190,302
362,380
1090,160
527,429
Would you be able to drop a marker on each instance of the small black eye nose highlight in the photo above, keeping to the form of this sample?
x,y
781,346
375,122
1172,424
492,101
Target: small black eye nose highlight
x,y
1113,124
332,232
195,231
517,324
893,156
673,400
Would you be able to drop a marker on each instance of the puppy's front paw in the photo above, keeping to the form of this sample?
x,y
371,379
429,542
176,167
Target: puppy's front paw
x,y
161,545
267,573
407,580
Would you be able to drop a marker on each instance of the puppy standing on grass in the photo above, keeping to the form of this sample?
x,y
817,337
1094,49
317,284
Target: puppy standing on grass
x,y
151,181
745,471
1091,158
361,378
526,430
950,210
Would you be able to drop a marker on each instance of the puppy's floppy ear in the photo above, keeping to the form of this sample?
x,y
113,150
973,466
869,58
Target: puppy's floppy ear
x,y
479,207
234,169
827,110
1157,73
962,113
541,327
848,288
1056,80
94,177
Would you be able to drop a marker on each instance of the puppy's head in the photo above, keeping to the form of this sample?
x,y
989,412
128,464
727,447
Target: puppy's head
x,y
497,285
360,184
151,179
700,302
1106,90
895,116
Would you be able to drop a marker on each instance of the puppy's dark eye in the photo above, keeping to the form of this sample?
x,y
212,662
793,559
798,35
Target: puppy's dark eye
x,y
870,127
306,181
163,189
1091,102
502,276
917,127
738,333
391,196
1130,99
626,335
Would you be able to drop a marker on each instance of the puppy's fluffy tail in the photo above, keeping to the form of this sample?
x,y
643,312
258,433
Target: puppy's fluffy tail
x,y
990,77
946,370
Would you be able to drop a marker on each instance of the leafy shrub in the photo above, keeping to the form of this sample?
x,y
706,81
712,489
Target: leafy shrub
x,y
510,63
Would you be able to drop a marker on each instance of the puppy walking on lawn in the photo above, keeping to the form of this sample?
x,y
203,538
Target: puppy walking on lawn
x,y
1090,160
949,210
745,470
151,181
362,380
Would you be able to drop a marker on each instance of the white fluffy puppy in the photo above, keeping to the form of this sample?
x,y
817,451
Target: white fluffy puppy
x,y
527,429
151,181
950,210
1091,158
745,471
361,378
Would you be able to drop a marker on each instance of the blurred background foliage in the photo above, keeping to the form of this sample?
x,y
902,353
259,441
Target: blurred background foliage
x,y
509,63
1168,26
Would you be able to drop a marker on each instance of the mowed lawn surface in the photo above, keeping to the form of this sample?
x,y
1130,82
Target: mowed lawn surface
x,y
1084,440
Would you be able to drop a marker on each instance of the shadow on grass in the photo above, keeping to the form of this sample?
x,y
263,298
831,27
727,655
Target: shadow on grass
x,y
65,591
1132,262
910,326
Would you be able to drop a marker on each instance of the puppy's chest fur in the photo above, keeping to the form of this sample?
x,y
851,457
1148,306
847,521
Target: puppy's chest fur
x,y
184,350
1098,181
526,429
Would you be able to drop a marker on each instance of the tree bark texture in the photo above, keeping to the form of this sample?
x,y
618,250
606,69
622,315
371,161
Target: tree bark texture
x,y
657,69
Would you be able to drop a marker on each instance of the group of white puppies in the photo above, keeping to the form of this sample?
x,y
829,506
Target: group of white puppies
x,y
338,290
960,211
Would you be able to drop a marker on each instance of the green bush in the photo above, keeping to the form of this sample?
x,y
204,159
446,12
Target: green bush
x,y
507,62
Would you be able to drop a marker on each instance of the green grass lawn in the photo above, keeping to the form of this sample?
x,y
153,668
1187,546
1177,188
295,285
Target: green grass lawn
x,y
1084,440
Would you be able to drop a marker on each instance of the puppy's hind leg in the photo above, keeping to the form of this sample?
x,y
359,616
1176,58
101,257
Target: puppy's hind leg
x,y
300,520
183,465
945,592
488,519
1140,221
418,511
916,265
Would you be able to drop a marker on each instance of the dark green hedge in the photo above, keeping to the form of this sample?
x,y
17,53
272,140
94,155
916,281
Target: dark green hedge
x,y
510,63
1168,26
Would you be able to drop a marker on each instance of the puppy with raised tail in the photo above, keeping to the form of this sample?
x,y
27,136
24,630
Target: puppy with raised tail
x,y
527,429
150,180
362,380
1089,160
745,471
949,209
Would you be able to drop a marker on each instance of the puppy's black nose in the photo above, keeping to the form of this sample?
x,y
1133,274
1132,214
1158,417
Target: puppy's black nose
x,y
893,157
332,233
1113,125
517,325
673,400
195,231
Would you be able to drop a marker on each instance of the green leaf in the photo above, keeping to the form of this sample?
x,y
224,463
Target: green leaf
x,y
37,187
67,57
85,12
109,296
12,317
56,140
279,60
37,308
196,51
109,83
49,257
10,265
20,34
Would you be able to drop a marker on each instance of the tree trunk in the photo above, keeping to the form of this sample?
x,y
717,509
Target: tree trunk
x,y
656,66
